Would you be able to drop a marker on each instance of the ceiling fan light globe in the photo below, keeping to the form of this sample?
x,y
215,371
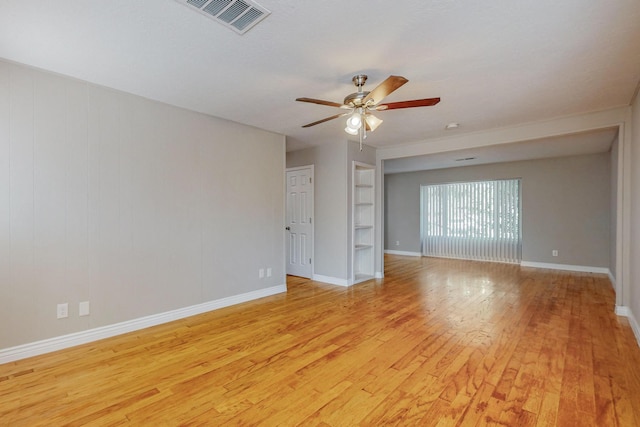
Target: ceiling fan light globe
x,y
372,121
351,131
355,121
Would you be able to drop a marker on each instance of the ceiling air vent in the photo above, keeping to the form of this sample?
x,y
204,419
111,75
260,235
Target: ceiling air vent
x,y
239,15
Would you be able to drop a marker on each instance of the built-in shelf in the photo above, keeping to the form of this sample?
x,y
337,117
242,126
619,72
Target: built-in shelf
x,y
362,222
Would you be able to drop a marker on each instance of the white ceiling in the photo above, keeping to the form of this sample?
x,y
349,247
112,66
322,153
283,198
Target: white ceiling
x,y
494,63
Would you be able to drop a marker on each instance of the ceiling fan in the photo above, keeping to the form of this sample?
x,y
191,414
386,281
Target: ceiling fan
x,y
361,103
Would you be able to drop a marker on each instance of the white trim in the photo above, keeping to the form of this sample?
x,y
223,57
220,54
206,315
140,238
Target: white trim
x,y
612,279
622,310
379,275
566,267
331,280
71,340
351,205
379,215
626,312
404,253
623,274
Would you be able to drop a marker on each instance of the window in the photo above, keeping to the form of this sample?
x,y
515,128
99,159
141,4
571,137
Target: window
x,y
472,220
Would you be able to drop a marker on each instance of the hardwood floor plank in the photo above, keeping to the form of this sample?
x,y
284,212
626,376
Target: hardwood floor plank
x,y
436,342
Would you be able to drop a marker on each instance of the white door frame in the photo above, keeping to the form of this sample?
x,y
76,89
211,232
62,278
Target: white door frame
x,y
313,215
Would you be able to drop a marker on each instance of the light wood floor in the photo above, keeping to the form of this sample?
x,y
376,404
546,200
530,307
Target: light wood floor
x,y
437,342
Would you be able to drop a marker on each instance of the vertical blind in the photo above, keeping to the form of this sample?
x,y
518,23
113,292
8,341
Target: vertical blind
x,y
472,220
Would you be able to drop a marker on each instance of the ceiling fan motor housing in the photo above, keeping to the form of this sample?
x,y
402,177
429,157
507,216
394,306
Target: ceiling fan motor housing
x,y
354,100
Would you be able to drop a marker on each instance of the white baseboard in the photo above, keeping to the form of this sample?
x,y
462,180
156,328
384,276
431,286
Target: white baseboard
x,y
626,312
65,341
566,267
405,253
341,282
331,280
622,310
613,280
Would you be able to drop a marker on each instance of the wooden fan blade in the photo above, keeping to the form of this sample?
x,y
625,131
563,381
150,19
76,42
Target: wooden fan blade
x,y
384,89
326,119
428,102
319,101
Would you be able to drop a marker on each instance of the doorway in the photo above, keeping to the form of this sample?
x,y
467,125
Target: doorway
x,y
299,221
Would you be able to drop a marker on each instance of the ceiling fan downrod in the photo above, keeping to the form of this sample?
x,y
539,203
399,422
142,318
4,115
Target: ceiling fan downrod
x,y
354,100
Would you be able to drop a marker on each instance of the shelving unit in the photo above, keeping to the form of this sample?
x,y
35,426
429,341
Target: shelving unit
x,y
363,193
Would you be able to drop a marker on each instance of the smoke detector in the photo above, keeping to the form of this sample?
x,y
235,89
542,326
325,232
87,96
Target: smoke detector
x,y
239,15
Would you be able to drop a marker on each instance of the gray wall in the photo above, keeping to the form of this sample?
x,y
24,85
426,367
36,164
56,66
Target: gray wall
x,y
634,255
565,203
402,211
133,205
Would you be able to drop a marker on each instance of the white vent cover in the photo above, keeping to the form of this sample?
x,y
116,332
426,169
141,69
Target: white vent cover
x,y
239,15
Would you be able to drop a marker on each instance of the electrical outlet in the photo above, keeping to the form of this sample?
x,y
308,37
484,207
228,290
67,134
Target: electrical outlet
x,y
261,273
63,310
83,308
554,252
269,272
397,242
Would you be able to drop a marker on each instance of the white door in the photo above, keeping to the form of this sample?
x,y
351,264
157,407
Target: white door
x,y
299,221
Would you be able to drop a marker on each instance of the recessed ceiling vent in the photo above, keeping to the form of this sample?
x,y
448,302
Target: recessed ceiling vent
x,y
239,15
